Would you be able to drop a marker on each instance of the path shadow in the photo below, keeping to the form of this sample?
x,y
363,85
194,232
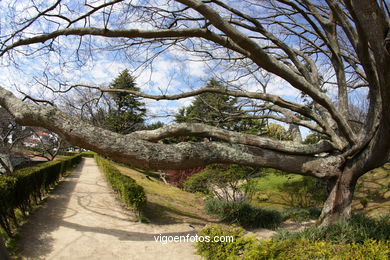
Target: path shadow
x,y
162,215
46,219
124,235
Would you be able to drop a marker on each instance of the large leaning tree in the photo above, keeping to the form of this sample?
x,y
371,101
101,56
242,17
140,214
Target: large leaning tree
x,y
326,49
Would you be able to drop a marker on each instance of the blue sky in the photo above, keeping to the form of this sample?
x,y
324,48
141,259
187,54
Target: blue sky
x,y
173,71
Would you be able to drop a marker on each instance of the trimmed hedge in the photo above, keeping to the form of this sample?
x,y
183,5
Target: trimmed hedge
x,y
131,193
88,154
247,247
26,187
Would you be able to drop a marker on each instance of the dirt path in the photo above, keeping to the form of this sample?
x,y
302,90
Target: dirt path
x,y
83,220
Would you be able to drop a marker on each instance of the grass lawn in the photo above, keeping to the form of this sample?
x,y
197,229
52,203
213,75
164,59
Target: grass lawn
x,y
374,189
268,186
167,204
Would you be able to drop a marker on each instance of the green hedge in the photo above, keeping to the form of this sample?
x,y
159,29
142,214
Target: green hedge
x,y
83,154
26,187
131,193
88,154
246,247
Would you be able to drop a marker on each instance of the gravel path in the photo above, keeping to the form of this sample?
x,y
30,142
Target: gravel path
x,y
83,220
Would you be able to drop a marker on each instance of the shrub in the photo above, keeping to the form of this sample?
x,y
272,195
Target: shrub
x,y
301,214
224,250
223,181
356,230
88,154
197,183
243,213
27,186
306,250
244,247
131,193
7,202
364,202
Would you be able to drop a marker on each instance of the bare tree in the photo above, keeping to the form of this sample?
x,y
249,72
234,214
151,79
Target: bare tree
x,y
11,134
325,49
47,144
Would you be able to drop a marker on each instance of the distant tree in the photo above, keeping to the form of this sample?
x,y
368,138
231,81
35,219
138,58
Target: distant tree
x,y
11,134
218,110
127,113
48,144
276,131
155,125
209,108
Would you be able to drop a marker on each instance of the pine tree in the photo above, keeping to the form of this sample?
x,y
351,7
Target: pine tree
x,y
217,110
128,113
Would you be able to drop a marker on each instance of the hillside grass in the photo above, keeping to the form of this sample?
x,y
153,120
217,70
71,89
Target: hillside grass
x,y
167,204
269,186
373,187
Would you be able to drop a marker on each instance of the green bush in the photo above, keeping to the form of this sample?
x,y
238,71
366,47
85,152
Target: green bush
x,y
131,193
245,247
301,214
304,249
221,179
224,250
88,154
26,187
356,230
243,213
197,183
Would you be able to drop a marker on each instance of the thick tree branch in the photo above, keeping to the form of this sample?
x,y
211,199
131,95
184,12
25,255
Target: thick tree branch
x,y
202,130
148,155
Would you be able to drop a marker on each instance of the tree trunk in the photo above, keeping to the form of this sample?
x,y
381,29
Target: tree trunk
x,y
338,205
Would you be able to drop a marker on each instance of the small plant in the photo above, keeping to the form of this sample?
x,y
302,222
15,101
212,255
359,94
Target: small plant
x,y
242,213
364,202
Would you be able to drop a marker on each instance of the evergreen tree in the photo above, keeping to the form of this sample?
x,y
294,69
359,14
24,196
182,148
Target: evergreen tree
x,y
128,112
217,110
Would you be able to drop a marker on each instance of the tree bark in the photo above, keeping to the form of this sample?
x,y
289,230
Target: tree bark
x,y
338,206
